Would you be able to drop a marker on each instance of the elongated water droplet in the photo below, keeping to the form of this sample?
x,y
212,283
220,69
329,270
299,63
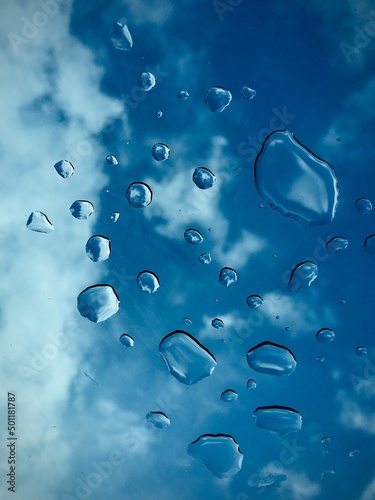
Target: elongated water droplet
x,y
251,384
229,395
337,244
278,419
364,206
272,359
254,301
120,37
361,350
81,209
220,453
294,181
369,245
126,340
98,248
64,168
148,281
183,95
158,419
139,195
193,236
303,275
325,335
39,222
248,93
98,302
217,99
147,81
217,323
205,258
185,358
160,151
112,160
187,321
203,178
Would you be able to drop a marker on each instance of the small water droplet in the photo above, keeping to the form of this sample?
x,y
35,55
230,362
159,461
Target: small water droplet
x,y
147,81
159,114
205,258
183,95
254,301
81,209
64,168
278,419
320,359
251,384
193,236
248,93
187,321
158,419
148,281
98,248
352,453
361,350
229,395
126,340
98,302
160,151
325,335
341,301
287,329
227,276
326,440
337,244
39,222
203,178
271,359
120,37
111,159
217,323
139,195
217,99
303,275
216,299
115,216
364,206
369,245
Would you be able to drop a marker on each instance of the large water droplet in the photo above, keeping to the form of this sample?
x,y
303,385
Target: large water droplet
x,y
364,206
120,37
112,160
220,453
183,95
227,276
248,93
294,181
147,81
278,419
126,340
325,335
251,384
186,359
160,151
64,168
39,222
205,258
203,178
303,275
139,195
337,244
217,99
193,236
254,301
148,281
272,359
81,209
98,302
98,248
361,350
369,245
229,395
217,323
158,419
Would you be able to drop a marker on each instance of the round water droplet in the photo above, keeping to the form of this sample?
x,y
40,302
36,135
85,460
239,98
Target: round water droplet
x,y
220,453
326,440
294,181
139,195
320,359
227,276
278,419
217,99
158,419
337,244
341,301
229,395
39,222
81,209
98,248
64,168
148,281
160,151
185,358
272,359
147,81
159,114
369,245
205,258
203,178
303,275
120,37
254,301
183,95
187,321
98,302
361,350
217,323
126,340
325,335
364,206
193,236
251,384
115,216
248,93
112,160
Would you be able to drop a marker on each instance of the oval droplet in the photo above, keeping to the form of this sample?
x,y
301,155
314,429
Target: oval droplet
x,y
111,159
326,440
187,321
220,453
217,323
160,151
159,114
251,384
254,301
248,93
303,275
369,245
217,99
294,181
120,37
148,281
115,216
126,340
337,244
147,81
271,359
341,301
158,419
352,453
203,178
227,276
64,168
364,206
229,395
361,350
205,258
81,209
193,236
139,195
39,222
185,358
325,335
278,419
98,248
98,302
183,95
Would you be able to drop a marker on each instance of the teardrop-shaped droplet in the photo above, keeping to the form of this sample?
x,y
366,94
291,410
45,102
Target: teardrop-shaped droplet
x,y
203,178
112,160
205,258
364,206
294,181
254,301
81,209
126,340
185,358
220,453
369,245
115,216
139,195
98,302
325,335
303,275
337,244
193,236
227,276
217,323
64,168
98,248
272,359
278,419
361,350
158,419
120,37
251,384
217,99
160,151
39,222
183,95
248,93
148,281
229,395
147,81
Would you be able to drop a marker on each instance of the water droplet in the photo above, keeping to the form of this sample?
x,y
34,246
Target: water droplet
x,y
126,340
185,358
326,440
272,359
139,195
160,151
120,37
148,281
64,168
193,236
352,453
294,181
325,335
159,114
183,95
303,275
158,419
217,99
220,453
254,301
81,209
251,384
227,276
205,258
337,244
187,321
217,323
278,419
216,299
320,359
269,480
111,160
115,216
364,206
203,178
147,81
341,301
361,350
287,329
229,395
369,244
248,93
98,248
39,222
98,302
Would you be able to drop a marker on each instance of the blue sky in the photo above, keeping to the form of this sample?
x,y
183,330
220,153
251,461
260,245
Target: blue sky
x,y
82,397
